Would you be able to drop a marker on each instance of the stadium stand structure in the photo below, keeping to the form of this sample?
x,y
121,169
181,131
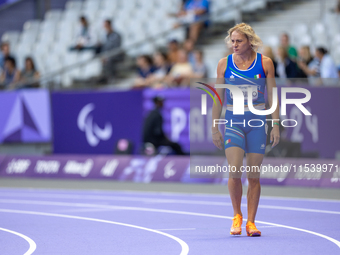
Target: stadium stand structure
x,y
304,21
48,40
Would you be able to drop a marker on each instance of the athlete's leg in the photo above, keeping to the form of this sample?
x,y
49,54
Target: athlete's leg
x,y
254,188
235,160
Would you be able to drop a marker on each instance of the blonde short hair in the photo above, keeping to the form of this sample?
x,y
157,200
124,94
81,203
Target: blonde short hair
x,y
248,31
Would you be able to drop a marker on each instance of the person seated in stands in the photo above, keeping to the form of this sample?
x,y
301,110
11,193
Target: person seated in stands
x,y
153,129
192,11
327,68
29,74
285,43
304,58
268,52
157,78
145,69
4,53
181,72
109,42
286,68
84,37
10,76
111,39
200,69
188,45
337,8
173,47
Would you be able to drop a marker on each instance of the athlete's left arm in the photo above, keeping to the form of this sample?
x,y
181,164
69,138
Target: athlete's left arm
x,y
270,81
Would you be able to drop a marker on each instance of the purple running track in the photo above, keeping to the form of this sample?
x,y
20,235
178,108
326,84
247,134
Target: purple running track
x,y
35,221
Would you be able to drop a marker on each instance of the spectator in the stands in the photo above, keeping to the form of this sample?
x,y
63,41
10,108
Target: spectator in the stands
x,y
157,78
304,58
292,52
337,8
173,47
200,69
153,129
4,53
286,68
268,52
181,72
145,69
191,13
10,75
29,74
110,41
188,45
327,68
84,37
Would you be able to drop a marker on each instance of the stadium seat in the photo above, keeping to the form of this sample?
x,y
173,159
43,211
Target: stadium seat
x,y
169,6
272,41
40,64
147,48
133,51
71,58
109,5
41,48
54,15
178,34
86,55
318,29
91,15
48,26
71,15
336,40
300,29
336,56
91,5
28,37
227,16
92,69
146,5
253,5
32,25
304,40
331,21
74,5
11,36
21,52
154,27
128,5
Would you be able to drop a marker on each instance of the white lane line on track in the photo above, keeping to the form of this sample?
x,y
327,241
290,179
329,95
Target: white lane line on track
x,y
32,244
168,211
84,210
166,194
170,229
184,246
151,200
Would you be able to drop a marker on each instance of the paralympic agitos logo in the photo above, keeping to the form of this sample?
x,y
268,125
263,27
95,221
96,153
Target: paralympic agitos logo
x,y
238,103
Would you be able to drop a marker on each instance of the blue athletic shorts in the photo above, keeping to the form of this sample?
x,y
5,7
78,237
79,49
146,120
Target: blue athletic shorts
x,y
249,136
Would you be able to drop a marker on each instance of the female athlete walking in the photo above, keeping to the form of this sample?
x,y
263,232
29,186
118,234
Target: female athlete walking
x,y
245,68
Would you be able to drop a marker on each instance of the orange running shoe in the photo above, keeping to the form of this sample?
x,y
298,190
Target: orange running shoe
x,y
252,230
237,224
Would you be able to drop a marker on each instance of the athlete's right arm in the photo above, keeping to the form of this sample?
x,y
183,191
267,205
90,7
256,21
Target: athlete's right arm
x,y
217,109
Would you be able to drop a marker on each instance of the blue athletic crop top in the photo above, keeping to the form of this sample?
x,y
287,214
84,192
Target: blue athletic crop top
x,y
253,76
